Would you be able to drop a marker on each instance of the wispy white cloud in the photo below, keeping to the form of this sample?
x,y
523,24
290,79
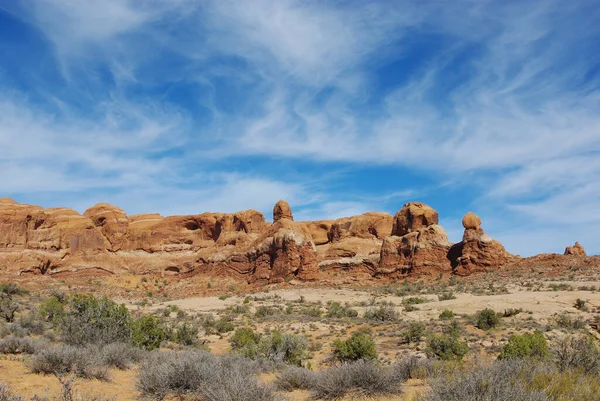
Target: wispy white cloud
x,y
505,106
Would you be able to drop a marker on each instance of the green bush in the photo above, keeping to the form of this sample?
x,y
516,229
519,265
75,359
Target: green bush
x,y
11,289
335,309
52,308
415,331
487,319
360,345
94,320
223,325
382,313
446,347
245,340
446,296
184,334
526,346
414,300
446,314
147,333
279,347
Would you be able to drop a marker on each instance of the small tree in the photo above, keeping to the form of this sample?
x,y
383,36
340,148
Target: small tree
x,y
446,347
487,319
526,346
360,345
147,333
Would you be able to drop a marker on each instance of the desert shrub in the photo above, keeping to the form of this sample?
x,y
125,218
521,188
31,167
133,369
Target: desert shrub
x,y
8,308
566,322
7,395
185,334
360,378
512,312
90,320
360,345
414,300
147,333
501,380
31,322
526,346
200,373
579,304
446,314
295,378
164,373
263,311
244,337
382,313
120,356
487,319
335,309
283,347
415,331
276,347
62,359
577,353
446,296
51,308
18,345
412,367
11,289
313,311
224,325
446,347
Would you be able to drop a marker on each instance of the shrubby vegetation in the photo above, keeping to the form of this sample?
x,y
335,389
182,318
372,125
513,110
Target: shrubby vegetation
x,y
359,346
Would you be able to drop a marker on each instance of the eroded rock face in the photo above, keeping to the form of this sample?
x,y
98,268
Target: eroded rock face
x,y
282,210
575,250
368,225
104,240
477,252
420,252
413,216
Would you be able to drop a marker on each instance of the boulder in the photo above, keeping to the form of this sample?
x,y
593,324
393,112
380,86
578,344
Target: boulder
x,y
575,250
471,221
413,216
282,210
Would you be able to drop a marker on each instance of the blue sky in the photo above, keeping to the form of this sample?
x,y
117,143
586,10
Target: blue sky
x,y
339,107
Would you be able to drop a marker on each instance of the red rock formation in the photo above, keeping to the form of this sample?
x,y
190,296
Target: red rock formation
x,y
477,252
575,250
319,230
412,216
368,225
282,210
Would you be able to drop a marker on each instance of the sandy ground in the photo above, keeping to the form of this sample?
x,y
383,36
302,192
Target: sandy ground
x,y
540,305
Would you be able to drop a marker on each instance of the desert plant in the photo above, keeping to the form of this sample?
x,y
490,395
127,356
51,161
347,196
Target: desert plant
x,y
360,345
295,378
382,313
120,356
499,381
579,304
526,346
415,331
147,333
578,352
283,347
52,308
487,319
64,359
94,320
412,367
17,345
446,314
446,347
446,296
360,378
335,309
511,312
185,334
8,308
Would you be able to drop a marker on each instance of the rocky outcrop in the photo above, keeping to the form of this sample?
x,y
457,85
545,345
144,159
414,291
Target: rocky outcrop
x,y
368,225
319,230
575,250
477,252
284,250
282,210
413,216
418,244
104,240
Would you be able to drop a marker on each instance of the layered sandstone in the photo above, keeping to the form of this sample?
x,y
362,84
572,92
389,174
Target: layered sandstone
x,y
104,240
